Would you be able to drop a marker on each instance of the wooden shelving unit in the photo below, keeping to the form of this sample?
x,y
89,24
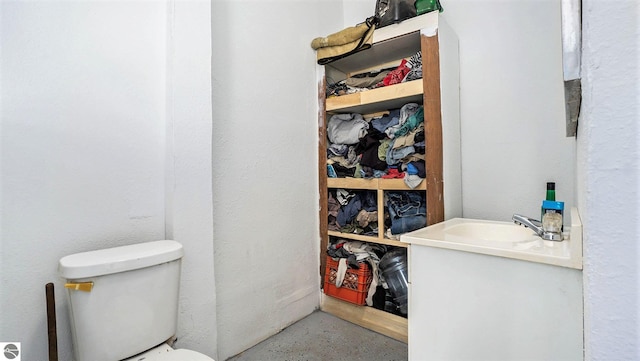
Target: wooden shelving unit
x,y
391,44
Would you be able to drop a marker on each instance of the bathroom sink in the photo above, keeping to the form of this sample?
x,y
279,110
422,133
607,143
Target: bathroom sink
x,y
502,239
491,232
478,232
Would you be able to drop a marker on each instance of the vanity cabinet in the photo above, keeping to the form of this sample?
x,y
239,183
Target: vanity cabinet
x,y
438,93
472,306
491,290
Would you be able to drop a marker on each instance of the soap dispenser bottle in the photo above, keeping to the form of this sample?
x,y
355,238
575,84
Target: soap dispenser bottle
x,y
551,210
551,191
552,217
551,196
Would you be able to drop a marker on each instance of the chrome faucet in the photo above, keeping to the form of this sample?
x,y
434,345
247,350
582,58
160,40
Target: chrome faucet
x,y
536,226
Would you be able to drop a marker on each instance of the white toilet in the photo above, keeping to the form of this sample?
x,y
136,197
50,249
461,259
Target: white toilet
x,y
124,302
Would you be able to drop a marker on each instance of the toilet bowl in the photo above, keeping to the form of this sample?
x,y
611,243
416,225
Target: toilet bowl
x,y
123,302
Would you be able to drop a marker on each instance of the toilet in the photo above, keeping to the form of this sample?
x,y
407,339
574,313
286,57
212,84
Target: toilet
x,y
124,302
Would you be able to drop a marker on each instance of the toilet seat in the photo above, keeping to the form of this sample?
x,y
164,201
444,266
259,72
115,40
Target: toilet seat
x,y
164,352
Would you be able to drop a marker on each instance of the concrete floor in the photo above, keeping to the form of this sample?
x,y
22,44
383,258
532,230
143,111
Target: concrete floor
x,y
324,337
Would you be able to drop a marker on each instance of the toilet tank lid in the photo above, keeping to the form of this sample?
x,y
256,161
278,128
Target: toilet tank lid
x,y
119,259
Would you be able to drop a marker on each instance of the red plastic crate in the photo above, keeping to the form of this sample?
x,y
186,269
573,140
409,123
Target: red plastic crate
x,y
355,286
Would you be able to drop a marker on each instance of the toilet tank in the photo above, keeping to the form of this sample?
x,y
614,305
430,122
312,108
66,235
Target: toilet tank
x,y
132,305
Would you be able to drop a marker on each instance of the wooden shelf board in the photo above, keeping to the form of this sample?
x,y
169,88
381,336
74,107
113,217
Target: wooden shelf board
x,y
355,237
370,239
399,184
388,97
353,183
372,184
344,101
376,320
392,242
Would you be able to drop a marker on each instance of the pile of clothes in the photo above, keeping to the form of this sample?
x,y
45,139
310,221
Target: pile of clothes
x,y
408,70
351,254
407,211
388,146
354,212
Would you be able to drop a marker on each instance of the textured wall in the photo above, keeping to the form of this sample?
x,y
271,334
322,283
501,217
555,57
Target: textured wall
x,y
189,208
511,104
106,130
608,177
83,141
265,165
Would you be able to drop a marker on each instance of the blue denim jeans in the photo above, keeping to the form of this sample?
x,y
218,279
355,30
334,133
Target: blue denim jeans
x,y
407,210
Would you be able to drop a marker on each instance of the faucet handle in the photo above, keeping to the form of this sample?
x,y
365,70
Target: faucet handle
x,y
518,218
536,226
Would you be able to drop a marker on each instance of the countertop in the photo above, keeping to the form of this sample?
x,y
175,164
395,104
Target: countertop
x,y
496,241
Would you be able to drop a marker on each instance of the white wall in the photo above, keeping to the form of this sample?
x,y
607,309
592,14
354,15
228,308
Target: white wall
x,y
189,206
265,165
356,11
608,178
107,133
83,129
511,104
101,101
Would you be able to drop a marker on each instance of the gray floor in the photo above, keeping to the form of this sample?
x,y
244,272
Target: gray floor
x,y
324,337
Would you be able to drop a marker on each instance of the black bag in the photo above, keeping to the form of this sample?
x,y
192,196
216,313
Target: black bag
x,y
394,11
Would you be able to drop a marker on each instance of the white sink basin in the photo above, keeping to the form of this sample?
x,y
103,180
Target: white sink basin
x,y
503,239
491,232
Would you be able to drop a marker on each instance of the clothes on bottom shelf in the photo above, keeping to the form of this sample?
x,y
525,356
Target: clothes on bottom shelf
x,y
349,253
